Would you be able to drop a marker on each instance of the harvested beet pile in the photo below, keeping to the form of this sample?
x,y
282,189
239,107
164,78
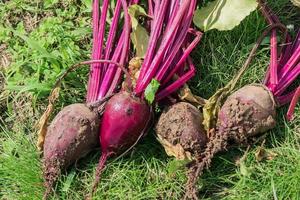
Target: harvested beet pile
x,y
128,114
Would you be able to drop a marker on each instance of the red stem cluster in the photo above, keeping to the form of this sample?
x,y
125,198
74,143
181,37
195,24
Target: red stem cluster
x,y
285,68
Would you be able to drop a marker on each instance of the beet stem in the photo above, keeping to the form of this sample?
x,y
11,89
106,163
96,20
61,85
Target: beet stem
x,y
287,80
112,32
150,13
124,55
294,101
183,58
97,69
277,66
95,38
272,71
111,71
297,41
159,14
253,51
293,60
274,61
104,80
167,39
177,44
284,99
178,83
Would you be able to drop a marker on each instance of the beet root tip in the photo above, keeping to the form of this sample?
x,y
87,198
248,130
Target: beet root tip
x,y
51,172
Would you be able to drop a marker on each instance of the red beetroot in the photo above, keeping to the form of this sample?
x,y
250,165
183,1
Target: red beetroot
x,y
133,115
248,111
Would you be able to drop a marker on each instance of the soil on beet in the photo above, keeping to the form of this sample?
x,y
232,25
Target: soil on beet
x,y
247,112
72,134
180,130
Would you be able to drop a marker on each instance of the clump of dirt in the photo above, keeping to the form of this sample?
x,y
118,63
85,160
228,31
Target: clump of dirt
x,y
181,132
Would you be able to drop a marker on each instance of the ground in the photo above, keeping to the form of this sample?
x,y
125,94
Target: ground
x,y
39,39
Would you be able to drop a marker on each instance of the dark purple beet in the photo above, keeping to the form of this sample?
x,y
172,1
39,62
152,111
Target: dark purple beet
x,y
124,121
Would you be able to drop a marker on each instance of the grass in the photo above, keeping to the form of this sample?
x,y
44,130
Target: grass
x,y
147,172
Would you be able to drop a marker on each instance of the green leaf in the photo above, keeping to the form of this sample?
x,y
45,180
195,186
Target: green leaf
x,y
223,14
140,39
134,12
151,90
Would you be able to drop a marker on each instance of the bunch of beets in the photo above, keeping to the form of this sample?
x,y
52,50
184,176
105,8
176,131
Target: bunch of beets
x,y
118,113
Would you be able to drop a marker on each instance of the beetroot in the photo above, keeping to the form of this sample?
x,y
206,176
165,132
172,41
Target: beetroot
x,y
180,131
71,135
248,112
133,116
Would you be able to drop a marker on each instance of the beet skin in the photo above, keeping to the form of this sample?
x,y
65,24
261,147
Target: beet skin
x,y
125,120
71,135
248,112
180,130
